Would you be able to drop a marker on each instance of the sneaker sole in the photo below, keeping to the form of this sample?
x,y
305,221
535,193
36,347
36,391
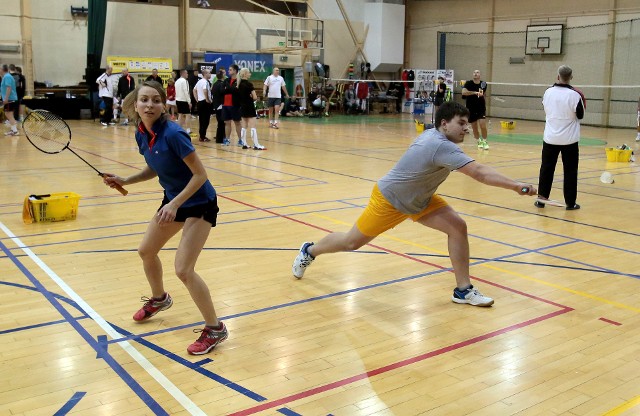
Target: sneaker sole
x,y
466,302
210,348
155,313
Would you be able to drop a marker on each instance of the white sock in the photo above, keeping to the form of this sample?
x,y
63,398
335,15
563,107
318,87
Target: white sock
x,y
254,137
243,136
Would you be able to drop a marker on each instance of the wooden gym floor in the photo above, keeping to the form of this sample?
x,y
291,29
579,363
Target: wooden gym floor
x,y
371,332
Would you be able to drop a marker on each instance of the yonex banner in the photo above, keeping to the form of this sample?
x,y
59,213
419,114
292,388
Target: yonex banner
x,y
260,64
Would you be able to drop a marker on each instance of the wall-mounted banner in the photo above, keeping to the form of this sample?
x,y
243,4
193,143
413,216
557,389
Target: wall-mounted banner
x,y
260,64
222,60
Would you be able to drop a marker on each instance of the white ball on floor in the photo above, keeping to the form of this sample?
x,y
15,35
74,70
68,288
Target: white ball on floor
x,y
606,177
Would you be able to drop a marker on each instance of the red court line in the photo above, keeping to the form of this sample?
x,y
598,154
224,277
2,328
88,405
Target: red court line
x,y
406,256
396,365
609,321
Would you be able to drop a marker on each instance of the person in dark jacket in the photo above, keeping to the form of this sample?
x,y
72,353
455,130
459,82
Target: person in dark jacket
x,y
126,84
217,92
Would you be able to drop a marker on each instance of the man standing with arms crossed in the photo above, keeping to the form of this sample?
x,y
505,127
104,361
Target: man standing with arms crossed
x,y
275,84
473,92
183,100
564,108
105,82
202,91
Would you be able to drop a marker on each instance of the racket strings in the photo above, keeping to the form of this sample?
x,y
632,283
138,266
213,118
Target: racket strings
x,y
46,131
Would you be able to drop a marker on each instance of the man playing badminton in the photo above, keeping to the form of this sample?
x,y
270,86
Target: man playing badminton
x,y
409,191
474,92
564,108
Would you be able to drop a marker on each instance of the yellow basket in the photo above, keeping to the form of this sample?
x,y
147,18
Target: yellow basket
x,y
419,127
55,207
509,125
618,155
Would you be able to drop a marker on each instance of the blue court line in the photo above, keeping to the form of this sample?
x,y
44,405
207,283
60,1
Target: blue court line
x,y
333,294
239,211
40,325
115,366
77,396
549,233
599,227
55,295
197,368
592,269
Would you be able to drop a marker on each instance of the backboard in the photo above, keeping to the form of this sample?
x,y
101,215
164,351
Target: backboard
x,y
544,40
305,33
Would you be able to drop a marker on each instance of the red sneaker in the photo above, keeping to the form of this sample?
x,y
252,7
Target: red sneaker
x,y
208,340
152,306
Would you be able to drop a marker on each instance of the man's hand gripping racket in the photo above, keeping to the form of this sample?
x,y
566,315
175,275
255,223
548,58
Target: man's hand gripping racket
x,y
530,190
50,134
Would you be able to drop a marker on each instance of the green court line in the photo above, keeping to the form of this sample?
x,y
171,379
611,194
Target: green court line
x,y
504,136
536,139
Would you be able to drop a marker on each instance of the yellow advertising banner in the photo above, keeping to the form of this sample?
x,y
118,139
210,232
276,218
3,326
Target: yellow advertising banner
x,y
140,67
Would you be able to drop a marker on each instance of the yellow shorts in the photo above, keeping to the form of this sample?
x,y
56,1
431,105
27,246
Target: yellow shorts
x,y
380,216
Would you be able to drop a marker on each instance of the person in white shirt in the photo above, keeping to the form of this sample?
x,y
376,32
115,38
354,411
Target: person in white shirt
x,y
275,84
564,108
105,92
202,92
183,100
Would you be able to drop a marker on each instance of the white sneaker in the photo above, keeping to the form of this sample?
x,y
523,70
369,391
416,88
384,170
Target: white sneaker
x,y
638,137
12,133
471,296
188,131
302,261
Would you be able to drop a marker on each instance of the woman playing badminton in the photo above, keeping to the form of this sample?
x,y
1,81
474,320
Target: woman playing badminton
x,y
189,204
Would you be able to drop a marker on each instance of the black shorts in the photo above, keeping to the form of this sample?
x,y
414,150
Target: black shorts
x,y
476,114
248,111
208,211
272,102
438,101
183,107
231,112
10,106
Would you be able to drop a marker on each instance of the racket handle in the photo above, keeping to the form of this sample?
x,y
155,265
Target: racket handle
x,y
120,189
525,189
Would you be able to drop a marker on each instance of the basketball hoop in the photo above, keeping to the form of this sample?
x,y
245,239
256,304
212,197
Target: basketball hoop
x,y
541,50
305,44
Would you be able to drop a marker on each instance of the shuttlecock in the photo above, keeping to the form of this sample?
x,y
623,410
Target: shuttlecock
x,y
606,177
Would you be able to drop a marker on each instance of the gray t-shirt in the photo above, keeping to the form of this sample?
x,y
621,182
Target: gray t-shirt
x,y
425,165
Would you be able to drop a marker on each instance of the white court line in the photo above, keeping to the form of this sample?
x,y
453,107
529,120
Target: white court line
x,y
171,388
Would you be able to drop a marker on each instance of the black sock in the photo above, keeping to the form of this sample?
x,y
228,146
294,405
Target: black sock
x,y
216,328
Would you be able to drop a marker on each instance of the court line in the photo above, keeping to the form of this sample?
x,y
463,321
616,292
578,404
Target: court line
x,y
40,325
439,269
127,347
618,410
77,396
394,366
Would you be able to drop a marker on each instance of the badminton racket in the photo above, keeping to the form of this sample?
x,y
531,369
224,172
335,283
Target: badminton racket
x,y
551,202
50,134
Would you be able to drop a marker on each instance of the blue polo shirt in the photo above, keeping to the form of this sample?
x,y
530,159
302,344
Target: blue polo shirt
x,y
8,81
164,149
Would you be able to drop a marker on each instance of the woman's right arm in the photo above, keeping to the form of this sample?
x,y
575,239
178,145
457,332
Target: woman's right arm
x,y
144,175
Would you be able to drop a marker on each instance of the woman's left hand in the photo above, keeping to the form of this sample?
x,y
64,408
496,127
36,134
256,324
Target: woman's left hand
x,y
166,214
